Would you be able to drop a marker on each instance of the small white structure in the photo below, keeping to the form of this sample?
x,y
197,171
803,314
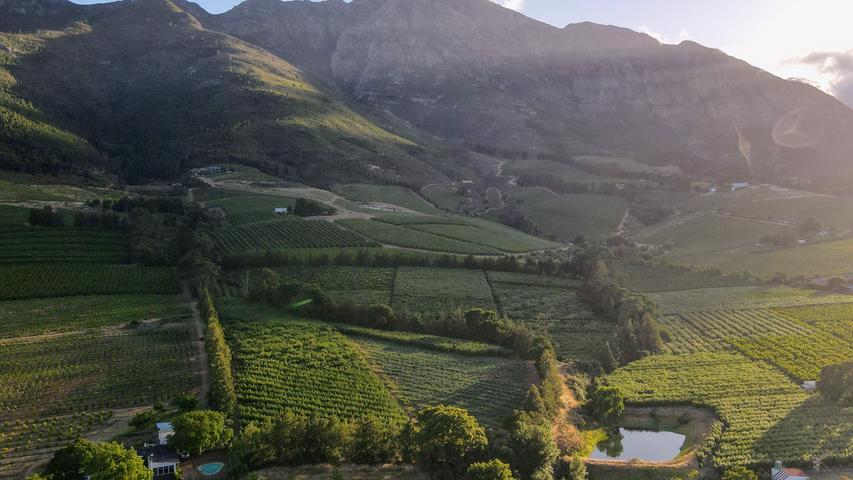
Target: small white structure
x,y
778,472
281,210
739,186
810,386
164,431
713,189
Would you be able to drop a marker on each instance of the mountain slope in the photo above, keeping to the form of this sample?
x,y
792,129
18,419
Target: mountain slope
x,y
149,85
472,72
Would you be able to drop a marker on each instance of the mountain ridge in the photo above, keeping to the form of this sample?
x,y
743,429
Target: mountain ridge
x,y
474,75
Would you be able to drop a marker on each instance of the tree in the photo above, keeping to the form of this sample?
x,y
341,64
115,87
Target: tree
x,y
836,382
185,402
739,473
103,461
491,470
199,431
532,444
606,402
577,469
837,284
810,227
374,441
447,439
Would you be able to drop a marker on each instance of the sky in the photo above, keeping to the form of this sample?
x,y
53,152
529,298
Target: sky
x,y
805,39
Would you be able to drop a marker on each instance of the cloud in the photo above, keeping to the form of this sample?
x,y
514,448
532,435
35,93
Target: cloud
x,y
838,66
682,36
517,5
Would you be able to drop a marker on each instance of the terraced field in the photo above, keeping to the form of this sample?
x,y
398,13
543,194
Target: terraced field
x,y
402,236
490,388
766,416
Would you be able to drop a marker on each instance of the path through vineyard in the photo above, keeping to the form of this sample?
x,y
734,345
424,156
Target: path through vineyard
x,y
202,357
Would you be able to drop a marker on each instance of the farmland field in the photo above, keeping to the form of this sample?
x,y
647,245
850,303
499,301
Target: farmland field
x,y
294,233
445,197
428,342
64,279
663,278
836,319
549,167
285,363
431,290
490,388
555,310
393,195
831,211
13,215
54,389
34,244
63,314
387,233
358,285
766,416
737,298
568,215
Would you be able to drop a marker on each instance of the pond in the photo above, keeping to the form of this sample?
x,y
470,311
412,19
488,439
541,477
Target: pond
x,y
648,445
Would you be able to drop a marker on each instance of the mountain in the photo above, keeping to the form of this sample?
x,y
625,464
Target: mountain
x,y
153,90
397,90
477,74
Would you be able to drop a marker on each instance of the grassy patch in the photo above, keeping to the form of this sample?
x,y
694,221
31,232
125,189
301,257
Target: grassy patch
x,y
393,195
737,298
386,233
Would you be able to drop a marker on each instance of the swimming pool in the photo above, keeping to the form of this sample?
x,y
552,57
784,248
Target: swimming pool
x,y
210,469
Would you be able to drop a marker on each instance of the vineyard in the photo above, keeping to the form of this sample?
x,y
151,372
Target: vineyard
x,y
490,388
794,346
663,278
401,236
430,342
766,416
285,363
576,333
244,210
56,388
293,233
836,319
26,245
66,314
65,279
432,290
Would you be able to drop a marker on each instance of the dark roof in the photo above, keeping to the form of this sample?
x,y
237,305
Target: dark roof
x,y
161,453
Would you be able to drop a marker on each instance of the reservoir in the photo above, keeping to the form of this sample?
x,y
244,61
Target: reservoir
x,y
648,445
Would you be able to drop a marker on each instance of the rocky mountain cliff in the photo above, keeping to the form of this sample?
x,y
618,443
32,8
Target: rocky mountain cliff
x,y
466,73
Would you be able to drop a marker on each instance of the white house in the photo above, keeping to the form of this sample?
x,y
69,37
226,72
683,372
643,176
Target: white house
x,y
281,210
778,472
739,186
160,459
810,386
164,431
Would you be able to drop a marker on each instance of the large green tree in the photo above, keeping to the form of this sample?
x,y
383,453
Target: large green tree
x,y
199,431
448,438
836,382
103,461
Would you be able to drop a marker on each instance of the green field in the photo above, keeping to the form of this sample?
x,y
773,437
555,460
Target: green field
x,y
393,195
10,191
13,215
41,244
242,210
831,211
712,234
766,416
433,290
490,388
445,197
620,165
566,216
58,388
550,167
286,234
66,314
285,363
65,279
663,278
738,298
358,285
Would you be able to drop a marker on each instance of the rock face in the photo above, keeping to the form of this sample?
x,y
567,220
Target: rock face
x,y
475,73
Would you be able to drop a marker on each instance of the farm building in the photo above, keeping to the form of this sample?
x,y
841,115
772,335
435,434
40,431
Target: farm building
x,y
281,210
778,472
739,186
810,386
